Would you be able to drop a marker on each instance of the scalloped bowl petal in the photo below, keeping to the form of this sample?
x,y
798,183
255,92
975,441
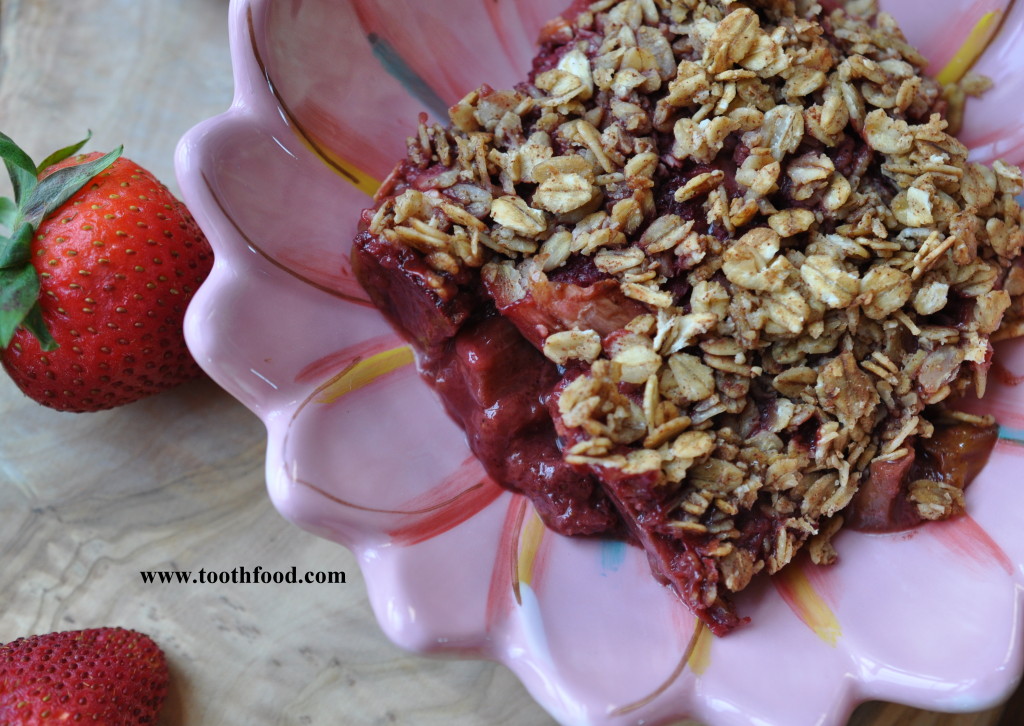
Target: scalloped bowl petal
x,y
361,452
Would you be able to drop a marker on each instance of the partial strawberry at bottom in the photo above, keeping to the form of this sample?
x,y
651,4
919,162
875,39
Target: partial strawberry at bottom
x,y
108,676
117,264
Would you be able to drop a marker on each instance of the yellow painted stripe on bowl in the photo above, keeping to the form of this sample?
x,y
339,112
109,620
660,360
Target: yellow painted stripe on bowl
x,y
364,372
700,656
351,173
809,606
979,39
529,544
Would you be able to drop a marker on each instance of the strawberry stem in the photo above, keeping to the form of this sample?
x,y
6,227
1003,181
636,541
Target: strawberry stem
x,y
34,200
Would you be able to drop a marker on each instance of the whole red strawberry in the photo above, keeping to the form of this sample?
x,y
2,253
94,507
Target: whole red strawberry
x,y
95,277
108,676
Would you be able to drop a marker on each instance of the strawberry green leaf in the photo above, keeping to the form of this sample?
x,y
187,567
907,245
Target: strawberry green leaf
x,y
15,250
34,324
19,166
62,154
61,185
8,212
19,292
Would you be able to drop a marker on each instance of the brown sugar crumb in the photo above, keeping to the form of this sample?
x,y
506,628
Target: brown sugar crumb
x,y
748,239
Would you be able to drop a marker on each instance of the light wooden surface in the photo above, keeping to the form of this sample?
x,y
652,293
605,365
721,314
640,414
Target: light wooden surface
x,y
176,482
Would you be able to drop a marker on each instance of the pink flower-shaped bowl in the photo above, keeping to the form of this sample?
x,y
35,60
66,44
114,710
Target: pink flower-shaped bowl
x,y
361,452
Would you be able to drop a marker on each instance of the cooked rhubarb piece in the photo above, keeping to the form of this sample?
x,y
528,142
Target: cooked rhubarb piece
x,y
709,275
495,385
540,306
928,481
881,503
427,306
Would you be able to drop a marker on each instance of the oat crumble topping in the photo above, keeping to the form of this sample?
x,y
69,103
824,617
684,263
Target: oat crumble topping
x,y
805,264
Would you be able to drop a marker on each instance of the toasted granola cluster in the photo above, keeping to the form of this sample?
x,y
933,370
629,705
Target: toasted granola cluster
x,y
805,264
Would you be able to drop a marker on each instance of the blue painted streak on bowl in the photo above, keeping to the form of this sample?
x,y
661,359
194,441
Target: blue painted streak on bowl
x,y
413,82
1005,432
613,554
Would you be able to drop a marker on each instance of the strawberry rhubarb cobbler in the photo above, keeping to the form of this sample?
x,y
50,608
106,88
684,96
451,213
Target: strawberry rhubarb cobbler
x,y
707,279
